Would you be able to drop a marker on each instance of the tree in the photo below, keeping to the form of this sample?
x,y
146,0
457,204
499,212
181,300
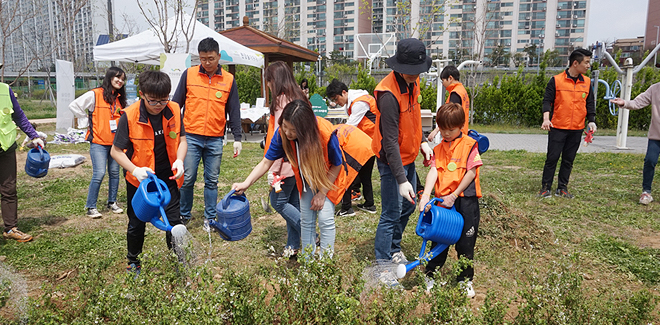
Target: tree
x,y
13,15
159,21
518,59
533,54
64,29
498,55
552,59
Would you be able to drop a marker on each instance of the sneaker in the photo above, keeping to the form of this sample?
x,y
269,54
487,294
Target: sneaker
x,y
564,193
469,290
185,219
345,213
543,193
133,269
371,209
355,195
399,258
645,198
115,208
93,213
17,235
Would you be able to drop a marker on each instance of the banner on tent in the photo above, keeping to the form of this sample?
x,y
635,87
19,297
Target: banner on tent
x,y
66,93
174,64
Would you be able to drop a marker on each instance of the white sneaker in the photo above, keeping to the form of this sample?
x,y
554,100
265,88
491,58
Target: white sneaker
x,y
115,208
93,213
645,198
469,290
399,258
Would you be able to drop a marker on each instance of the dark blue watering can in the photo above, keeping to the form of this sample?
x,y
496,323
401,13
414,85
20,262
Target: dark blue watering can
x,y
481,139
150,200
36,164
438,224
234,221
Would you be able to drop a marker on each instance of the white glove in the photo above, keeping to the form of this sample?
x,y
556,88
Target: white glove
x,y
237,148
406,190
426,150
592,126
37,142
178,167
271,178
141,173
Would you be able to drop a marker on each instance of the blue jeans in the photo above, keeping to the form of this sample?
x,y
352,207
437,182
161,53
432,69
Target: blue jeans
x,y
100,155
209,150
651,159
287,204
395,211
326,217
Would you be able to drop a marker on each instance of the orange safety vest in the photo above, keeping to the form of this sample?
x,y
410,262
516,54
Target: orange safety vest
x,y
459,89
353,142
206,98
141,135
368,122
410,120
270,133
570,107
99,128
325,130
448,180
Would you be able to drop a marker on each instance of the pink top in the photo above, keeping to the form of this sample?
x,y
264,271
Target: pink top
x,y
650,97
280,167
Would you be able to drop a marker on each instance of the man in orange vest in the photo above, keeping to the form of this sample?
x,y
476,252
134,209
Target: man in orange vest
x,y
207,95
361,109
150,138
568,100
397,140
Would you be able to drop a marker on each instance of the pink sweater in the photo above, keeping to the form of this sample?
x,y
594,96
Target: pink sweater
x,y
281,167
650,97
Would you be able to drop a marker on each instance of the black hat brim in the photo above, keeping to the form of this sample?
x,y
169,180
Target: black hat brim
x,y
409,68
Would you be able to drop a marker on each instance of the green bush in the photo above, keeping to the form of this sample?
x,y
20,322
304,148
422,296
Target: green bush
x,y
248,82
364,81
79,92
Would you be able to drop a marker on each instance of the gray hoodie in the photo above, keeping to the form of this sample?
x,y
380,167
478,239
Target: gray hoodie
x,y
650,97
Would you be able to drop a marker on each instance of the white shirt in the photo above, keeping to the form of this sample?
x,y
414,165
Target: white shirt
x,y
359,109
81,105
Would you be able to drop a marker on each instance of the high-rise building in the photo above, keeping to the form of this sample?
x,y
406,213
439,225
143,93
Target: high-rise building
x,y
50,30
457,30
652,33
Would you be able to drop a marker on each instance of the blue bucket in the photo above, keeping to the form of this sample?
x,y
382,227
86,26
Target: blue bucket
x,y
481,139
234,221
149,201
438,224
36,164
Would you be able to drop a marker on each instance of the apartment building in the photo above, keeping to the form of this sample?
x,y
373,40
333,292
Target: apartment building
x,y
458,30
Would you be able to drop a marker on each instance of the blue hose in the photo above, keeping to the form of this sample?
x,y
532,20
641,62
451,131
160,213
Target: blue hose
x,y
612,93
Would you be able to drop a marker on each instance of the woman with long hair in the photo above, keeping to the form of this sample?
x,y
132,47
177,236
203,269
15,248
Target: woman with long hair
x,y
99,110
284,193
316,158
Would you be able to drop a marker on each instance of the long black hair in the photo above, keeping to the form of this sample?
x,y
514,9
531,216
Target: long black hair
x,y
109,92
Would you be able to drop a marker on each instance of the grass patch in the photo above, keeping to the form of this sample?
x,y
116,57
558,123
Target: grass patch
x,y
640,263
517,129
37,109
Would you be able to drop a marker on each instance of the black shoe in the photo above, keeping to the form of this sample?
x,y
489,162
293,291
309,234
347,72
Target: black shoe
x,y
371,209
544,193
564,193
345,213
185,219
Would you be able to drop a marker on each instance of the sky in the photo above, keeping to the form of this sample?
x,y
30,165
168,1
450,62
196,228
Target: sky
x,y
607,19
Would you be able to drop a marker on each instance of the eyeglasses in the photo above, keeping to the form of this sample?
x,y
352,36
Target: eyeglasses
x,y
156,102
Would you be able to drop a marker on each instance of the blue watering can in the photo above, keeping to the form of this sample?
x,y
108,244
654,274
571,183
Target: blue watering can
x,y
36,164
481,139
436,223
234,221
149,201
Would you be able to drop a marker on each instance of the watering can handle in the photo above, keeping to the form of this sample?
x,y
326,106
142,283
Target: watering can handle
x,y
453,207
154,178
225,200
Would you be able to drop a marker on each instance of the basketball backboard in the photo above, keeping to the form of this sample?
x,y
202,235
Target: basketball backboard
x,y
373,45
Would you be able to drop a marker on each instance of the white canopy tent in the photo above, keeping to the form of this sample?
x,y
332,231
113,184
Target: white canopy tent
x,y
146,47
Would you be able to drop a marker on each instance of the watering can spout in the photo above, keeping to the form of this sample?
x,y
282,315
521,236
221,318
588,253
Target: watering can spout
x,y
402,269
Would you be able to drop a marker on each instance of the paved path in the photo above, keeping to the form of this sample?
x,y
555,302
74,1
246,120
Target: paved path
x,y
500,141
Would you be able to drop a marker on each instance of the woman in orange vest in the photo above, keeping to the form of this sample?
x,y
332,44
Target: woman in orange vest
x,y
312,147
99,110
151,139
286,201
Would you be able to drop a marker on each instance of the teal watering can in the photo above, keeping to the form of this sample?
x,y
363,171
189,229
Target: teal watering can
x,y
438,224
150,200
36,164
234,221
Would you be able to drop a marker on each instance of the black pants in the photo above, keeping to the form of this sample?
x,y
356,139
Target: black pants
x,y
564,143
9,198
136,227
363,177
468,207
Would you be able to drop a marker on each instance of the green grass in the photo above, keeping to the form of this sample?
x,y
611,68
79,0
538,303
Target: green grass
x,y
584,261
37,109
515,129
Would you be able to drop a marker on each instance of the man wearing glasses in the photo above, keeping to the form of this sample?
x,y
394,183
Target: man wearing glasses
x,y
209,99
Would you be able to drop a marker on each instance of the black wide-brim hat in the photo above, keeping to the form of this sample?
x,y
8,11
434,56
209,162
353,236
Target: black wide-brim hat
x,y
410,57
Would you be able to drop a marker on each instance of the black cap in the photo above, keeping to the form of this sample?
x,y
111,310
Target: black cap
x,y
410,57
